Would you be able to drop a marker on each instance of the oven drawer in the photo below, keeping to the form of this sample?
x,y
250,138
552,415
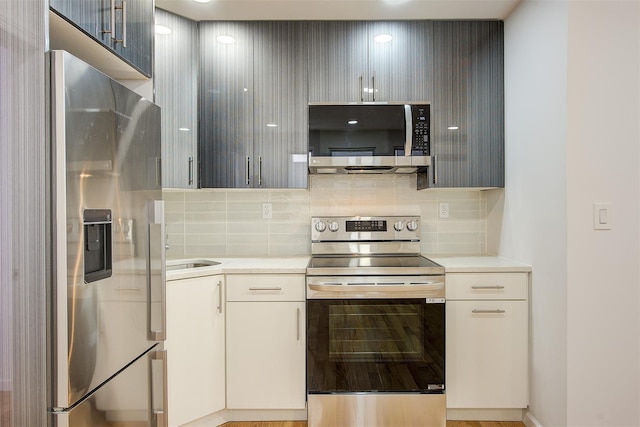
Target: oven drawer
x,y
266,287
491,286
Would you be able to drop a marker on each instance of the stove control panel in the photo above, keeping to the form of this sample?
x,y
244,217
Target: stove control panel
x,y
357,229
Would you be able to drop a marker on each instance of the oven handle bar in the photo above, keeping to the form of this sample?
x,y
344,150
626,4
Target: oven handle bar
x,y
358,288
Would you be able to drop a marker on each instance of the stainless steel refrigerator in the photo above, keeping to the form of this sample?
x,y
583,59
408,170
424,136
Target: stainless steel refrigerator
x,y
106,364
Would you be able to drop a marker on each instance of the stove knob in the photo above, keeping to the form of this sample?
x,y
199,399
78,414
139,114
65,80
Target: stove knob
x,y
321,226
398,225
333,226
412,225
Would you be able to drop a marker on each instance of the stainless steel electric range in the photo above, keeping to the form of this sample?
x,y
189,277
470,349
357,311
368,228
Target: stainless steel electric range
x,y
375,325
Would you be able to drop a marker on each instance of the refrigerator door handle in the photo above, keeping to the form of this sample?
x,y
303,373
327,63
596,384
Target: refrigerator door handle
x,y
156,263
158,415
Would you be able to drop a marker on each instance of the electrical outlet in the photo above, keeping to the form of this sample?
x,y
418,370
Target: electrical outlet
x,y
267,210
444,210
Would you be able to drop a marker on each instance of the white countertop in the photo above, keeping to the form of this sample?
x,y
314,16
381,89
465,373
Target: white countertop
x,y
479,264
266,265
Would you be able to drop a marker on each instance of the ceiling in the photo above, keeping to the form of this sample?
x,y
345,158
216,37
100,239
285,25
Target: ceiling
x,y
224,10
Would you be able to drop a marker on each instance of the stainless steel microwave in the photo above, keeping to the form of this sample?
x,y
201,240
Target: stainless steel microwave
x,y
369,137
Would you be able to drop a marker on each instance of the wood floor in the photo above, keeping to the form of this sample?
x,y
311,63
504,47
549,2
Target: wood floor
x,y
304,424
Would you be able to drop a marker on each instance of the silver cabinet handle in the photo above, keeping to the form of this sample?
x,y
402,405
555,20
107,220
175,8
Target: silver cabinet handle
x,y
259,171
219,296
487,287
246,175
159,416
112,18
123,40
361,91
190,170
298,324
274,288
476,311
435,169
373,87
108,30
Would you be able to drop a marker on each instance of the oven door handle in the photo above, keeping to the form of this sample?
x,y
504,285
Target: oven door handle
x,y
338,287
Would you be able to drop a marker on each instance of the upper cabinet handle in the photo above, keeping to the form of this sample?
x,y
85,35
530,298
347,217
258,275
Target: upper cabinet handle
x,y
246,175
259,171
190,170
123,7
373,87
111,19
361,91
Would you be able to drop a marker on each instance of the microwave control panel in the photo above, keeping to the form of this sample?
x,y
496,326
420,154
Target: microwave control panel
x,y
421,126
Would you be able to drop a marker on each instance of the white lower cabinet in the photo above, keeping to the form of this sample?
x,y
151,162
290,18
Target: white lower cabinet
x,y
195,348
266,345
487,340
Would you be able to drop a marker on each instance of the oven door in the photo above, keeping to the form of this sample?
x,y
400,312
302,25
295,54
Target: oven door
x,y
389,345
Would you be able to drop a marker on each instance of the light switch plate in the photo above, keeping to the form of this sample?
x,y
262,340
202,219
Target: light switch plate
x,y
602,216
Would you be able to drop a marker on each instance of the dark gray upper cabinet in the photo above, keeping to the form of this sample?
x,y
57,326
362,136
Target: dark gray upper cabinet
x,y
176,92
124,27
467,109
346,64
253,105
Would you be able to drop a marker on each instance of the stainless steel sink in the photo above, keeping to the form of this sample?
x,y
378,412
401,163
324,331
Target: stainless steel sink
x,y
190,264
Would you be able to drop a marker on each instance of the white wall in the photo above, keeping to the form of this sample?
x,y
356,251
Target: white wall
x,y
571,101
603,340
528,219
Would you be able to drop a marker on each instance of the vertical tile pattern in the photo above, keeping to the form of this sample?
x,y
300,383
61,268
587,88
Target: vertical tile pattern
x,y
176,92
229,222
23,254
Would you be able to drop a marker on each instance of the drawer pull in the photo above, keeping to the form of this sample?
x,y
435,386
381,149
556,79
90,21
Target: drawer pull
x,y
476,311
487,287
266,289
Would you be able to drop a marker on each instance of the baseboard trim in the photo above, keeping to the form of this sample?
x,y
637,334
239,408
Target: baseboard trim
x,y
472,414
531,421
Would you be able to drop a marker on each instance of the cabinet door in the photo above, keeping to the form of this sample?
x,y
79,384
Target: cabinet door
x,y
266,355
176,92
468,94
124,27
91,16
134,33
338,61
226,105
280,105
195,348
400,70
487,347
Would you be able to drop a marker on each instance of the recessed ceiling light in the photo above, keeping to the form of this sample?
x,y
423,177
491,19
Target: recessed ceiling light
x,y
383,38
161,29
352,122
226,39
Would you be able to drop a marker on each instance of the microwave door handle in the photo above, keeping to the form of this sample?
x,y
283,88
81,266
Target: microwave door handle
x,y
408,118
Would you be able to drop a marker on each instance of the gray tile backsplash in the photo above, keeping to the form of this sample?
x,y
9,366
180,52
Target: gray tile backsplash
x,y
228,222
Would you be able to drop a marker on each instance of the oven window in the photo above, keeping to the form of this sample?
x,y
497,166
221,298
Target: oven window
x,y
385,345
378,332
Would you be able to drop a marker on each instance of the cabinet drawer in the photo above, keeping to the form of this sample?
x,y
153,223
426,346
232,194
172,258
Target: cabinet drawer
x,y
266,287
475,286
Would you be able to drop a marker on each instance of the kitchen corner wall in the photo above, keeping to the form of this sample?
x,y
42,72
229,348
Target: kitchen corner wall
x,y
228,222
